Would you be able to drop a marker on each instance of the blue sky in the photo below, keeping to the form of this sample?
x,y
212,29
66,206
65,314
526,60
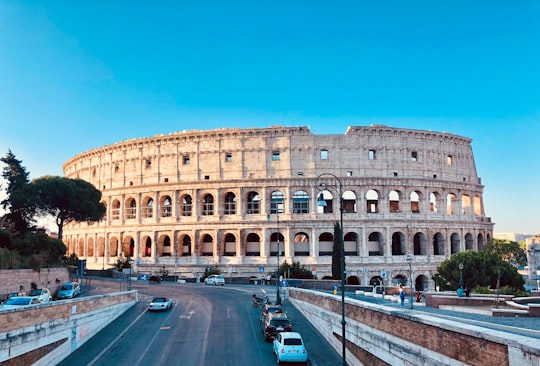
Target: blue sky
x,y
77,75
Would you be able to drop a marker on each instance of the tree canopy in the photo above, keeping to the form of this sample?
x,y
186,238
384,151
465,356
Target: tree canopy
x,y
480,269
19,202
68,200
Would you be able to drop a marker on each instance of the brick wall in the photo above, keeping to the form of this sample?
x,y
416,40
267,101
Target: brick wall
x,y
452,342
16,280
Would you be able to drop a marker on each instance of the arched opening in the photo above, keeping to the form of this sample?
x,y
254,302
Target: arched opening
x,y
229,204
230,245
90,248
166,206
393,198
301,244
350,243
115,212
207,245
276,240
375,244
253,203
433,198
148,207
208,205
419,243
398,243
415,202
349,202
438,244
186,246
131,208
326,244
480,240
300,202
454,243
253,245
372,201
187,205
469,241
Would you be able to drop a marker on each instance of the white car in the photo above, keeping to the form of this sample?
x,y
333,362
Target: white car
x,y
17,302
160,304
215,280
69,290
42,294
289,347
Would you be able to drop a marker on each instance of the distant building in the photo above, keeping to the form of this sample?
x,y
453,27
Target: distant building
x,y
516,237
238,198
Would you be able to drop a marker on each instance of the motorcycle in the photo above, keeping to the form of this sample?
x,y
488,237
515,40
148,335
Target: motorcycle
x,y
260,299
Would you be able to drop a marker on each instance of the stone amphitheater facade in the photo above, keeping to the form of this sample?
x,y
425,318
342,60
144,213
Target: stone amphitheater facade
x,y
231,197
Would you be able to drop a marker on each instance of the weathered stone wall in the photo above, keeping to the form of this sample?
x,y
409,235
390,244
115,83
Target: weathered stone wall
x,y
21,280
433,174
379,335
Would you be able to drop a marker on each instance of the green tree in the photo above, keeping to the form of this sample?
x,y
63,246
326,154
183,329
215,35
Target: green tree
x,y
480,269
19,201
296,270
336,253
40,248
68,200
6,239
508,251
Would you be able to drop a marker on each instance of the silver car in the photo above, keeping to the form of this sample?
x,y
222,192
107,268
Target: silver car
x,y
215,280
69,290
160,304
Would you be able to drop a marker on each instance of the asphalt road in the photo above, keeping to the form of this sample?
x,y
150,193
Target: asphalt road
x,y
208,325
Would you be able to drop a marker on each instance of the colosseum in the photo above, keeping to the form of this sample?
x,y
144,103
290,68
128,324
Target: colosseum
x,y
245,200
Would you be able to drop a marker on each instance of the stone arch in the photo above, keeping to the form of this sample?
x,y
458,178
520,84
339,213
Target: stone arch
x,y
301,244
164,247
253,203
480,241
128,247
419,244
146,246
466,204
477,205
375,244
166,206
438,244
186,244
398,243
90,248
469,241
421,283
350,243
451,204
115,212
454,243
208,205
276,240
81,252
300,202
186,205
229,204
393,198
113,246
349,202
372,201
277,202
253,245
229,245
415,198
207,245
148,207
434,199
326,244
131,208
400,279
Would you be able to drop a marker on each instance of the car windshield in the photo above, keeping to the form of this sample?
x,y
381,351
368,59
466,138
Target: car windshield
x,y
18,301
35,292
159,299
279,322
292,342
66,287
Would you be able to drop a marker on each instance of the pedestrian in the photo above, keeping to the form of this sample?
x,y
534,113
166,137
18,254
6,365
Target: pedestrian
x,y
401,296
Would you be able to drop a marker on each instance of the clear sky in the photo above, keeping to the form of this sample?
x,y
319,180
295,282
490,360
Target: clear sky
x,y
78,75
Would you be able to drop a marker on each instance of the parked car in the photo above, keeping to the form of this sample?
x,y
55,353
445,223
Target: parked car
x,y
269,309
69,290
274,324
289,347
214,280
154,279
42,294
160,304
17,302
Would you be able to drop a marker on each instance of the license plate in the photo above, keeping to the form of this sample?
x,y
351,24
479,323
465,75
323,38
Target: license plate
x,y
280,329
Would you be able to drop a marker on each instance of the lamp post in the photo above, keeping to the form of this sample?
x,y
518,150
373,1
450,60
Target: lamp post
x,y
410,259
460,275
322,185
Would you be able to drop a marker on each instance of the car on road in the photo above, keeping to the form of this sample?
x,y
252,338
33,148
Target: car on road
x,y
154,279
215,280
17,302
160,304
42,294
274,324
69,290
289,347
270,309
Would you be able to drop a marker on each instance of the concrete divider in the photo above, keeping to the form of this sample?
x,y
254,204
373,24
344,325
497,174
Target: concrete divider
x,y
45,334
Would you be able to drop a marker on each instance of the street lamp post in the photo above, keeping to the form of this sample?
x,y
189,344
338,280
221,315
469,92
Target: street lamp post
x,y
460,275
322,185
410,259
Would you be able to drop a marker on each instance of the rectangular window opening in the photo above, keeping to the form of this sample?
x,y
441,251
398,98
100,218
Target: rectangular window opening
x,y
324,154
275,155
414,155
371,155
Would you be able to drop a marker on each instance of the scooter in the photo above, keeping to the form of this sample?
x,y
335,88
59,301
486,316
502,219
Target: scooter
x,y
260,299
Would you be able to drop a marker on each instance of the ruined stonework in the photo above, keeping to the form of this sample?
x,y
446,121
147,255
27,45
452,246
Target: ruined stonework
x,y
230,197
